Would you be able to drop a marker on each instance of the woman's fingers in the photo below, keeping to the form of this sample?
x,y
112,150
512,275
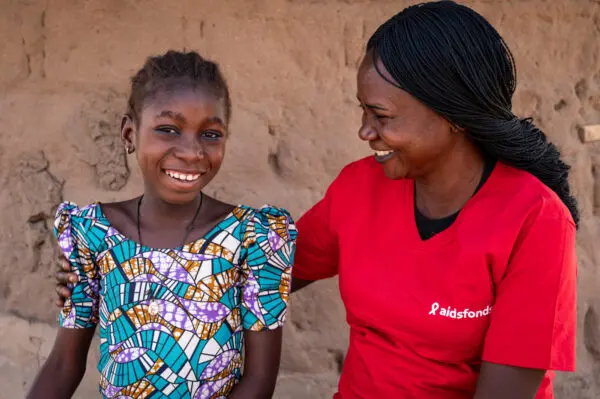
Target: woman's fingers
x,y
66,266
62,278
63,292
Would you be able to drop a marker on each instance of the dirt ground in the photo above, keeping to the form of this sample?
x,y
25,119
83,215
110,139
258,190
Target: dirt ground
x,y
291,64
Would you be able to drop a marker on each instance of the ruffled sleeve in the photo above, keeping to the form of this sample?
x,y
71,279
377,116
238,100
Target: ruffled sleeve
x,y
269,242
70,229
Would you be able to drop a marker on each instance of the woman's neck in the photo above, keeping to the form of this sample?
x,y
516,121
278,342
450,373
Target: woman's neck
x,y
446,189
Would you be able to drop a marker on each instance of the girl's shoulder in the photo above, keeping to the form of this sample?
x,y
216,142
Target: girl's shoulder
x,y
264,221
265,213
81,224
68,210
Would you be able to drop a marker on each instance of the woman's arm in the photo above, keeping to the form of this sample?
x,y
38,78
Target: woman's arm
x,y
497,381
533,321
298,283
62,372
65,276
316,254
261,365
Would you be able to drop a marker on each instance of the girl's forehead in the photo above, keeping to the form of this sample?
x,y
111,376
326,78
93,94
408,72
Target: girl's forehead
x,y
180,92
184,99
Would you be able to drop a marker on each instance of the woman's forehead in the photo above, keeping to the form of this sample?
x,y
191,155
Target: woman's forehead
x,y
372,74
374,88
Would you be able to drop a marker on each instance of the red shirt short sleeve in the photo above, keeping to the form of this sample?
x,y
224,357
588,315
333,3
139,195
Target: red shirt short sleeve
x,y
533,322
317,249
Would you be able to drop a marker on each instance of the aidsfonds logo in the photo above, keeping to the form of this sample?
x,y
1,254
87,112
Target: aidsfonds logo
x,y
454,313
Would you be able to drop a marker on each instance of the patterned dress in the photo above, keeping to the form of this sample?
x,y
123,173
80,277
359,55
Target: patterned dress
x,y
204,294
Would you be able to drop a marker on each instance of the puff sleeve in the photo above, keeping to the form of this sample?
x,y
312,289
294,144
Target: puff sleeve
x,y
81,310
269,243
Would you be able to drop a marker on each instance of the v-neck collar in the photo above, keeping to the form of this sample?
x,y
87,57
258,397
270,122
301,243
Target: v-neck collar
x,y
447,236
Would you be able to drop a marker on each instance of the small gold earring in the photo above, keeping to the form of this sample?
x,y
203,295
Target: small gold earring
x,y
129,149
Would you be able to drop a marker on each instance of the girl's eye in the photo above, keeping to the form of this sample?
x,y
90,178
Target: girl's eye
x,y
167,130
380,116
212,134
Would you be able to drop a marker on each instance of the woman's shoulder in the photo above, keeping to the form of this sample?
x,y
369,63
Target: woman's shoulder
x,y
366,166
525,193
363,175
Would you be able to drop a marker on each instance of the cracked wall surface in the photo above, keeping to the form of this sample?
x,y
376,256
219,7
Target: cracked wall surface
x,y
291,66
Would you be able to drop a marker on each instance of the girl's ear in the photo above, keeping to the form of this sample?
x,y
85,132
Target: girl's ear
x,y
128,133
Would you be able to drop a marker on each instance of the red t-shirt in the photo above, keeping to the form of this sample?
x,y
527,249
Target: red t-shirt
x,y
496,286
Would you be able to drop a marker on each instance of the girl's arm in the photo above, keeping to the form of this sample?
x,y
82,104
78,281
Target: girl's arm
x,y
270,242
62,372
261,365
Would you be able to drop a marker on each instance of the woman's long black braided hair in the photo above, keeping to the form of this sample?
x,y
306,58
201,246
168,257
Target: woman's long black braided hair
x,y
451,59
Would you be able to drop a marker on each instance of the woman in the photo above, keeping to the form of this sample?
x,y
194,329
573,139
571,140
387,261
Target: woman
x,y
454,243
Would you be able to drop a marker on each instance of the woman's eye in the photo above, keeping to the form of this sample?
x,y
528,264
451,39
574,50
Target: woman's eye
x,y
369,111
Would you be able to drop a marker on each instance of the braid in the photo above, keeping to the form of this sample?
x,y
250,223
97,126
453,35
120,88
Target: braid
x,y
171,67
452,60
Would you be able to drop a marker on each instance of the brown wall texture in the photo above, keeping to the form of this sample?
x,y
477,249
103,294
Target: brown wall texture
x,y
291,64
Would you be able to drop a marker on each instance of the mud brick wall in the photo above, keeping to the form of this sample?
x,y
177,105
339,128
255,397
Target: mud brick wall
x,y
291,64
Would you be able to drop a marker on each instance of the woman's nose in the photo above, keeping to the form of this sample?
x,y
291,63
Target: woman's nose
x,y
367,132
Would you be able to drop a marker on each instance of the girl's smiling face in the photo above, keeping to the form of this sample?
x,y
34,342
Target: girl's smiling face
x,y
179,141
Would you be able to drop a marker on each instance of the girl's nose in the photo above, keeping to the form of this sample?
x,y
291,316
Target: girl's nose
x,y
191,150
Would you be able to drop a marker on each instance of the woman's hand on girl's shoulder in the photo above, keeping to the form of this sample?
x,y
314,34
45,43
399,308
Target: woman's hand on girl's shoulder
x,y
64,277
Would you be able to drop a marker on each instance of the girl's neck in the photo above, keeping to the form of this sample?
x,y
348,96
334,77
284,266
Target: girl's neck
x,y
153,210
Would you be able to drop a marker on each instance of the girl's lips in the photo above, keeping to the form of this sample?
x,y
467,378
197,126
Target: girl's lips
x,y
181,183
182,176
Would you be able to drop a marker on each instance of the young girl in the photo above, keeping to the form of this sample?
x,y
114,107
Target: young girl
x,y
179,282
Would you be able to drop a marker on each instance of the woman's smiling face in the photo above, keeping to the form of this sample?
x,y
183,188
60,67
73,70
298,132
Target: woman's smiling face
x,y
408,138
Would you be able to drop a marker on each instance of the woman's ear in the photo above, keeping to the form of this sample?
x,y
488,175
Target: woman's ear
x,y
128,133
455,129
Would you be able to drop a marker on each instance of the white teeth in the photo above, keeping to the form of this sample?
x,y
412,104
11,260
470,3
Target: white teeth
x,y
182,176
383,153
